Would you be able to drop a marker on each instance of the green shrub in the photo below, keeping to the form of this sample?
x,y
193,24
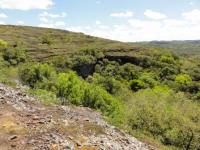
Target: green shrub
x,y
46,39
167,116
183,79
129,71
38,75
14,56
137,85
110,84
167,59
97,98
197,96
84,62
78,92
168,72
3,44
70,87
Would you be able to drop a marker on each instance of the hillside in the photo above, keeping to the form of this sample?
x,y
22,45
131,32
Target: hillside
x,y
43,43
179,47
27,124
147,91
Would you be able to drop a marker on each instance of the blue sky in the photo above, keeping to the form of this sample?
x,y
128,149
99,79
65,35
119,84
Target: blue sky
x,y
124,20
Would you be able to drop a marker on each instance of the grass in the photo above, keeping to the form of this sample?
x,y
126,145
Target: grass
x,y
62,42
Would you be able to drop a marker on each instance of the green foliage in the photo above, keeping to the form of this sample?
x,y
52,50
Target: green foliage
x,y
166,116
38,75
137,85
197,96
69,87
167,59
110,84
84,61
14,56
168,72
97,98
46,39
183,79
129,71
3,44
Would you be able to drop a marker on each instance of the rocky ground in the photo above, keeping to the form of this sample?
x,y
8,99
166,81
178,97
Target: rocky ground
x,y
26,124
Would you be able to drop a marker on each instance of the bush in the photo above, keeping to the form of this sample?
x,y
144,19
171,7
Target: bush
x,y
110,84
14,56
167,116
84,62
137,85
197,96
70,87
3,44
38,75
129,71
183,79
167,59
97,98
168,72
46,39
78,92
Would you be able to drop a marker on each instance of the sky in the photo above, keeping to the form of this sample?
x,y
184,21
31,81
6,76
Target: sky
x,y
122,20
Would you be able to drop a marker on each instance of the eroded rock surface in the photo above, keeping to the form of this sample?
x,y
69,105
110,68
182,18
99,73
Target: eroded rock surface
x,y
26,124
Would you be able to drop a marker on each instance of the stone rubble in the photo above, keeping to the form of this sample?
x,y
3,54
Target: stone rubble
x,y
39,127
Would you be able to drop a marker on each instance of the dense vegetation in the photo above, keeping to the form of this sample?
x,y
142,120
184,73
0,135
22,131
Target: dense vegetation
x,y
180,47
152,94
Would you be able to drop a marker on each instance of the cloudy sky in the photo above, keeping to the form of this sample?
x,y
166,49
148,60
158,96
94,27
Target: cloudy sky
x,y
124,20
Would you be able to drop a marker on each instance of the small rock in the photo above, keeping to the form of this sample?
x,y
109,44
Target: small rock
x,y
12,137
78,143
13,145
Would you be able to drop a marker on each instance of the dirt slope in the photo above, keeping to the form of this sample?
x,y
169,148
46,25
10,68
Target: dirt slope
x,y
26,124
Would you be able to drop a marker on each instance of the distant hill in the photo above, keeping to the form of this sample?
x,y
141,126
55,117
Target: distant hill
x,y
180,47
43,42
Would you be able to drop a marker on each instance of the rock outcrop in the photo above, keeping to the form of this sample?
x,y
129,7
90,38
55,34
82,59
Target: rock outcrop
x,y
26,124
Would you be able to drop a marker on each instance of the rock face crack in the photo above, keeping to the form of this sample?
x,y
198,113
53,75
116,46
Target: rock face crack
x,y
25,123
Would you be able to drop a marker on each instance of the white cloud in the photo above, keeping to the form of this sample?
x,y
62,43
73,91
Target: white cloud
x,y
45,25
185,28
154,15
193,16
2,15
51,19
25,4
98,22
126,14
52,15
20,22
57,25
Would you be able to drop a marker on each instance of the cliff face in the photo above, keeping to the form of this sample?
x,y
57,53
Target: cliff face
x,y
25,123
